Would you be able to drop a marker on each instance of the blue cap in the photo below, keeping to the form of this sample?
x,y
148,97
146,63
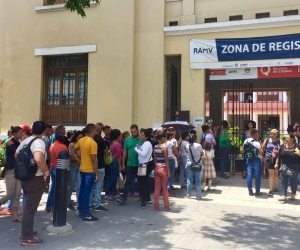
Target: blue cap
x,y
59,136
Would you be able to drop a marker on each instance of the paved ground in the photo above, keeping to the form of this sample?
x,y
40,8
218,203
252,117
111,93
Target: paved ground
x,y
227,218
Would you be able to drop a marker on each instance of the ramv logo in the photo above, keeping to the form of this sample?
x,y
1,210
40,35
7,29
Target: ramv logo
x,y
203,50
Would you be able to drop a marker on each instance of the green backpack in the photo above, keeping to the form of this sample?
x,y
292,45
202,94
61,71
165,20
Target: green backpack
x,y
108,159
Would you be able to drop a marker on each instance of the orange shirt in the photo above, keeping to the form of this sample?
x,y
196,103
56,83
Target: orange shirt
x,y
58,147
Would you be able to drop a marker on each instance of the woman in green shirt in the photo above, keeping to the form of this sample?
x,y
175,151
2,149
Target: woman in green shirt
x,y
224,142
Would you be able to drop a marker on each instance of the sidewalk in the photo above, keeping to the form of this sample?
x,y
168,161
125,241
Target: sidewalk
x,y
227,218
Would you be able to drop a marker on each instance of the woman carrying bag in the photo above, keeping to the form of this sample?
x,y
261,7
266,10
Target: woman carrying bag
x,y
288,162
146,165
195,152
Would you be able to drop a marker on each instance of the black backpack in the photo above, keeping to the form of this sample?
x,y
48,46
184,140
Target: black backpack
x,y
24,169
202,140
251,152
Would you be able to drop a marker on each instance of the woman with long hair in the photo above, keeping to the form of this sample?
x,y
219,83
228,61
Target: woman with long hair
x,y
145,157
289,154
74,173
195,152
161,171
271,147
13,186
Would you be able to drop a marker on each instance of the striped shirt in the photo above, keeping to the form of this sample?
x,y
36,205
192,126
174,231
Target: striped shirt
x,y
159,154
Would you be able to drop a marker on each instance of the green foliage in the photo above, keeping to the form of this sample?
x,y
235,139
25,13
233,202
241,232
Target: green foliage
x,y
283,138
237,138
76,5
1,156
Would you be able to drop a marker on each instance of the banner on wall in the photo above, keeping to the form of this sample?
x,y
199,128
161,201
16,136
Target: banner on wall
x,y
255,73
245,52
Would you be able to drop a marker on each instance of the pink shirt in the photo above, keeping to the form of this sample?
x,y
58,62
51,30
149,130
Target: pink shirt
x,y
117,150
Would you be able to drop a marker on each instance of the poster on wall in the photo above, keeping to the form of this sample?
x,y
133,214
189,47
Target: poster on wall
x,y
255,73
245,52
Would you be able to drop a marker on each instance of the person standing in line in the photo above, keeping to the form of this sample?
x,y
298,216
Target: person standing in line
x,y
13,186
183,156
253,165
224,142
132,161
95,199
271,146
208,170
145,157
161,171
289,154
34,186
88,170
54,151
106,130
195,149
265,135
74,173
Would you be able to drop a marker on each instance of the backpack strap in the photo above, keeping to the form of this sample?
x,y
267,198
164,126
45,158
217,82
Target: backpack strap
x,y
193,155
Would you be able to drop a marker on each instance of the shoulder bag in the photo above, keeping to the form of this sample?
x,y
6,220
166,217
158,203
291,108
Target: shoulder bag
x,y
285,170
195,166
142,169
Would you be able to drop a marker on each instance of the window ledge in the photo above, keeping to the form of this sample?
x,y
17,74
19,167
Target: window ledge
x,y
57,7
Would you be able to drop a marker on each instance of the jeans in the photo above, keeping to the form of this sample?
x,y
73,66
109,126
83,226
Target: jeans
x,y
143,181
50,200
95,198
224,158
172,172
183,159
191,175
130,175
254,166
33,189
284,183
161,182
87,182
74,177
112,179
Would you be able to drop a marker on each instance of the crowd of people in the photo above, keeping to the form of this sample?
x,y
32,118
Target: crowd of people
x,y
115,162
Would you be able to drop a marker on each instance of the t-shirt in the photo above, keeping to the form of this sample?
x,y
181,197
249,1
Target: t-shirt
x,y
169,145
100,152
88,147
208,137
116,150
130,144
266,133
196,149
270,146
222,142
107,141
182,148
289,157
54,151
174,141
37,145
145,152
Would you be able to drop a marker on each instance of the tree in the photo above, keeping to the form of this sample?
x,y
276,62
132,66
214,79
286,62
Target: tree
x,y
76,5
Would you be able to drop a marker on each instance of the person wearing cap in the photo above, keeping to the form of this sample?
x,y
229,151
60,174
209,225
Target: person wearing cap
x,y
254,165
54,151
34,186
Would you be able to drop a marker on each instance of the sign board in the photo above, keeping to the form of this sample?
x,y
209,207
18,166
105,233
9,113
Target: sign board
x,y
198,120
255,73
156,124
245,52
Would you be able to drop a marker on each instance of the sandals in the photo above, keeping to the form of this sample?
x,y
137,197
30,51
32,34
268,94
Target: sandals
x,y
282,199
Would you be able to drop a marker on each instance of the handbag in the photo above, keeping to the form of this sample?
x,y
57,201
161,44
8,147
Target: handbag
x,y
285,170
142,169
195,166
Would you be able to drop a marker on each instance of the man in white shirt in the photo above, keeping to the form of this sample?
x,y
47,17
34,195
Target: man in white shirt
x,y
34,187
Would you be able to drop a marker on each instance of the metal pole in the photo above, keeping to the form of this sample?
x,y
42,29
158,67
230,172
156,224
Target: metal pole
x,y
61,189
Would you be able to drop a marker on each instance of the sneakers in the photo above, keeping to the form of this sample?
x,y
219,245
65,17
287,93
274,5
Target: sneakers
x,y
5,211
270,193
31,242
148,201
224,176
100,208
108,198
258,194
71,207
251,193
144,205
275,191
90,218
135,194
48,210
117,196
121,201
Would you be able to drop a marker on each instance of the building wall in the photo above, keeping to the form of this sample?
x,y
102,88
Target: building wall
x,y
195,11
